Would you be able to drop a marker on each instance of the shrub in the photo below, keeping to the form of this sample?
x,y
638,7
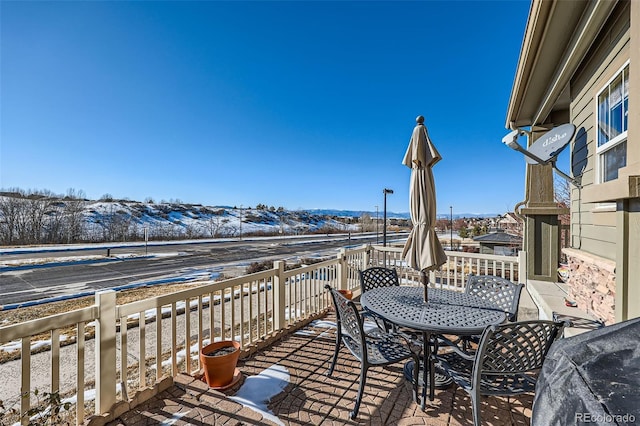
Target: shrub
x,y
48,410
259,266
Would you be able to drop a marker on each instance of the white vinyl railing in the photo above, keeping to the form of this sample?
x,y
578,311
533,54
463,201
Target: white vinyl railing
x,y
138,343
455,272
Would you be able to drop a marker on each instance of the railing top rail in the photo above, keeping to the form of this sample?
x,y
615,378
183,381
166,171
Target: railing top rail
x,y
310,268
166,299
449,253
46,324
481,256
377,247
357,250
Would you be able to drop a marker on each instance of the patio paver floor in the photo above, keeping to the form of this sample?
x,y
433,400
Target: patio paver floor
x,y
312,398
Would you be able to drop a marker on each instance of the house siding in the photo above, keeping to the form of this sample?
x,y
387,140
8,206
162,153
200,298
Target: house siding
x,y
592,229
594,226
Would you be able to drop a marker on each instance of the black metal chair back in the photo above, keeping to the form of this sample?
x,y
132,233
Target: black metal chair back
x,y
507,361
377,277
516,348
347,318
500,291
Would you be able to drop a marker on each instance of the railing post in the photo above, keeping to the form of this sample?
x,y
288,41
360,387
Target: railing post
x,y
366,258
105,348
279,313
342,269
522,266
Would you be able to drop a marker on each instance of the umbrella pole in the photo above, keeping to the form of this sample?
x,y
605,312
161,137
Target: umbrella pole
x,y
425,283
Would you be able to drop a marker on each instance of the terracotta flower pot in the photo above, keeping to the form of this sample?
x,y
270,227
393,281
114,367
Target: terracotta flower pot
x,y
219,368
346,293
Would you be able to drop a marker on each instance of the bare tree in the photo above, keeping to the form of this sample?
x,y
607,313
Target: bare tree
x,y
32,215
367,222
215,223
54,224
443,224
115,224
459,224
562,195
192,231
9,213
73,213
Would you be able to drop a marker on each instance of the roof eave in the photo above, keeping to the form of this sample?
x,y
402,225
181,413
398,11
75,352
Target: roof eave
x,y
559,65
538,13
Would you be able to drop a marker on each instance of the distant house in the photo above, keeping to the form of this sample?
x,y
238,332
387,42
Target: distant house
x,y
499,243
511,224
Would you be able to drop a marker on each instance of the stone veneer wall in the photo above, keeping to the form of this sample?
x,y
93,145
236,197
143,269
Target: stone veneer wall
x,y
592,283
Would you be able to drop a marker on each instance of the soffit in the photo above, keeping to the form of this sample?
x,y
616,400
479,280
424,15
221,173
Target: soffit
x,y
550,31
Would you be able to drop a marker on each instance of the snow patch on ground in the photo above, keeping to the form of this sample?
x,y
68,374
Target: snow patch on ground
x,y
257,391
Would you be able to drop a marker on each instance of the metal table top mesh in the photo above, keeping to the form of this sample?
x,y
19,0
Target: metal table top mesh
x,y
446,312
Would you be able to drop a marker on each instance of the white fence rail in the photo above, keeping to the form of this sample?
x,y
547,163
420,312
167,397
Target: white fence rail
x,y
140,342
455,272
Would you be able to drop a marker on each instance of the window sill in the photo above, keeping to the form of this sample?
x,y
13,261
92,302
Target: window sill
x,y
604,208
621,188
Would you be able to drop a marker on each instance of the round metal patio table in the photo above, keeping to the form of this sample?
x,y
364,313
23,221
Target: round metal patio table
x,y
445,312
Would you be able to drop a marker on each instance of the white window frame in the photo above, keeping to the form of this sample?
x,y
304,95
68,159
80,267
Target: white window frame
x,y
622,137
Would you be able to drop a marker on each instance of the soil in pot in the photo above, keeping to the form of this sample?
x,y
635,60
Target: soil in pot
x,y
226,350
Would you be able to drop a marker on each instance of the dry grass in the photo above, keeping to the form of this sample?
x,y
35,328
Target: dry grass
x,y
126,296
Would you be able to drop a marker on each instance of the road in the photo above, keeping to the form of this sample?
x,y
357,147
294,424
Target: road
x,y
62,277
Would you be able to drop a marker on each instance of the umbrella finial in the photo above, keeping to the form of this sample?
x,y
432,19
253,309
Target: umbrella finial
x,y
420,119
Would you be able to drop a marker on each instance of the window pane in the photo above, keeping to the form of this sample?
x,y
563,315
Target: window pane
x,y
615,100
625,102
613,159
615,91
612,122
616,121
603,118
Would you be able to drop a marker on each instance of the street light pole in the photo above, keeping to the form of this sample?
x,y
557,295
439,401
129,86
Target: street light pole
x,y
384,225
451,230
377,224
240,221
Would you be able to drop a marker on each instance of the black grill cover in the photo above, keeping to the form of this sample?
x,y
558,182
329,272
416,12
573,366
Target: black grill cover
x,y
591,379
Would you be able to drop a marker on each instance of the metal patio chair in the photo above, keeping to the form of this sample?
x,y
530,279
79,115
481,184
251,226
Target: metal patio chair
x,y
507,361
378,277
500,291
371,349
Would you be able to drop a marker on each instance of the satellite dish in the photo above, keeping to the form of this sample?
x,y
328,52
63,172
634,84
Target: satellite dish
x,y
549,145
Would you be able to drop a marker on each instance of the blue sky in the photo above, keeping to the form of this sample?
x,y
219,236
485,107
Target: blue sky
x,y
294,104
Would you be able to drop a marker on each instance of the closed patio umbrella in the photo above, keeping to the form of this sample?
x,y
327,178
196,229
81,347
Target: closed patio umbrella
x,y
422,251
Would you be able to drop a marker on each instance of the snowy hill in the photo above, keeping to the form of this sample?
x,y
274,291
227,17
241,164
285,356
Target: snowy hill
x,y
34,218
190,220
37,219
